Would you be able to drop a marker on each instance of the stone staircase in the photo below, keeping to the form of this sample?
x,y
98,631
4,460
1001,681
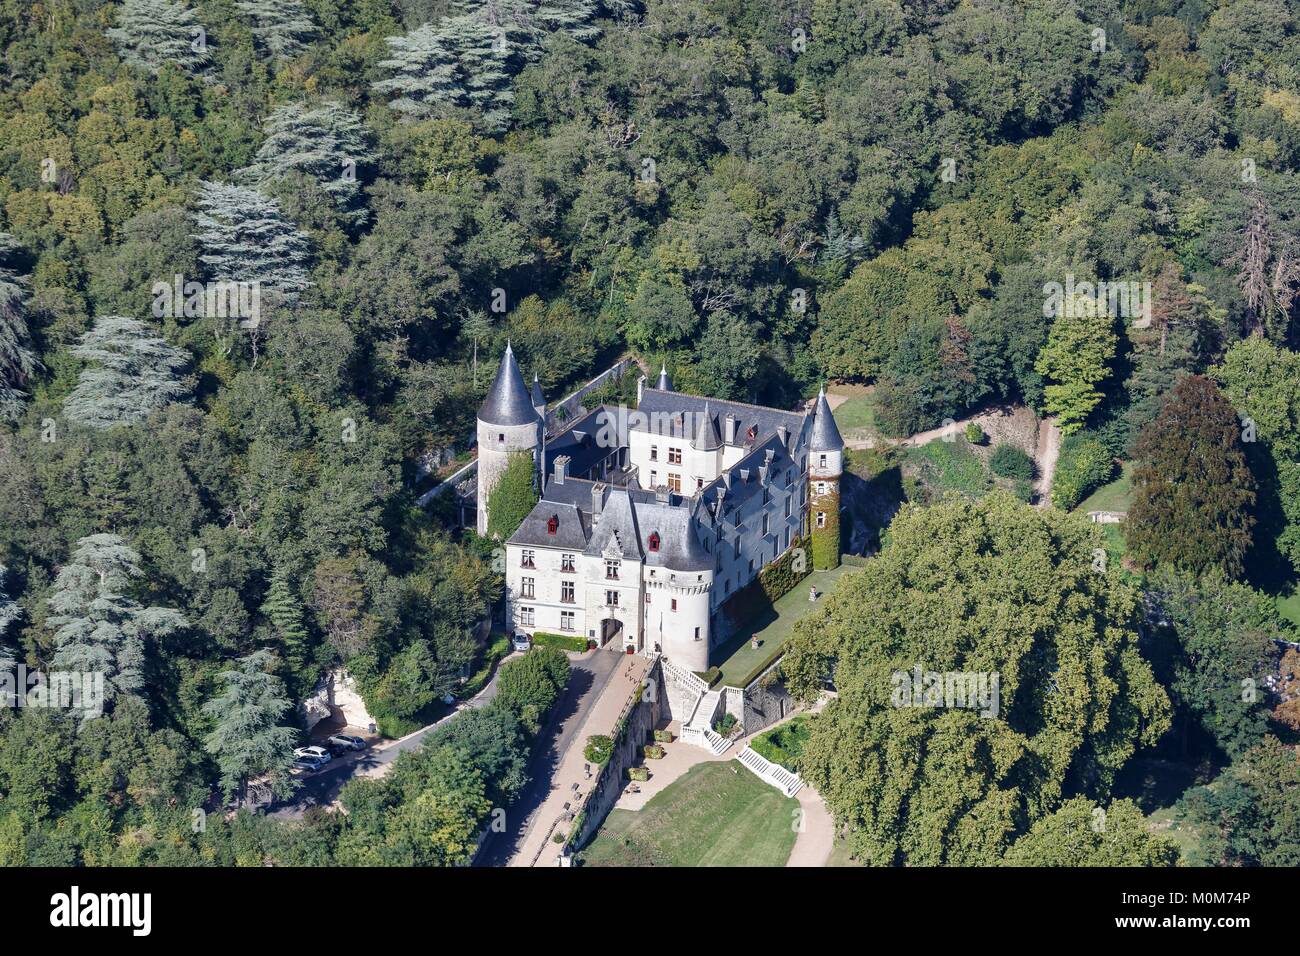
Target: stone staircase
x,y
773,773
698,730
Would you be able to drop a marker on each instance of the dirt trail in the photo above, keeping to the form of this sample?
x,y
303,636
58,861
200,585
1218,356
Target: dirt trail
x,y
1046,452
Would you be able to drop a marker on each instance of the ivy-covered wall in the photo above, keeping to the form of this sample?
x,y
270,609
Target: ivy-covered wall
x,y
826,541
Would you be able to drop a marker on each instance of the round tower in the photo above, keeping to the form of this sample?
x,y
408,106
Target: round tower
x,y
825,466
508,424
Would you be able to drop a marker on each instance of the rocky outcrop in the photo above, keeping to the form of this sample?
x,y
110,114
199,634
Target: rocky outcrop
x,y
336,695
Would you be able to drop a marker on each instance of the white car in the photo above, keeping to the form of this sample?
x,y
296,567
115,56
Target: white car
x,y
347,742
318,753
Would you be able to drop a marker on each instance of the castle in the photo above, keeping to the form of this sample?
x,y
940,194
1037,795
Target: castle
x,y
650,520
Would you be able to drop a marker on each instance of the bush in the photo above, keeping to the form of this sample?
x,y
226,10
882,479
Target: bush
x,y
640,774
974,434
725,725
653,752
565,642
1008,461
664,736
530,684
599,749
1085,465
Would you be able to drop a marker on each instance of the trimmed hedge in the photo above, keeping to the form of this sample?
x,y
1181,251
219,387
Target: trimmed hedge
x,y
710,676
565,642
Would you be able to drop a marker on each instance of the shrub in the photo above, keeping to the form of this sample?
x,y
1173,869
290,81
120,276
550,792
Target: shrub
x,y
638,773
1085,464
653,752
664,736
565,642
974,434
725,724
599,749
1008,461
530,685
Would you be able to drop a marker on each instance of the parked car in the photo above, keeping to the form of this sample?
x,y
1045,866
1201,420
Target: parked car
x,y
308,762
347,741
320,753
521,642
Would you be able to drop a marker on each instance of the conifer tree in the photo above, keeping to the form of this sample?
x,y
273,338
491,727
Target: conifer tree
x,y
131,374
245,238
281,28
424,68
10,612
98,627
153,32
1193,491
17,361
285,612
253,750
326,142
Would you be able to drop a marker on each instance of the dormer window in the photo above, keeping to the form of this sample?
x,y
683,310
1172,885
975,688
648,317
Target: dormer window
x,y
654,541
552,524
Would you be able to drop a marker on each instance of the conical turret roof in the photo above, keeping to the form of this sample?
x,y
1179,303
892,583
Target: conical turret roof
x,y
508,402
825,434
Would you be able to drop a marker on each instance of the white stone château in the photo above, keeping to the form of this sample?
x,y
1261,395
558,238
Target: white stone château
x,y
651,519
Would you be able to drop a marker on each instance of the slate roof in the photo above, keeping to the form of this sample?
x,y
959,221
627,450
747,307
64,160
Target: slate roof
x,y
825,434
629,516
583,442
508,402
684,415
707,437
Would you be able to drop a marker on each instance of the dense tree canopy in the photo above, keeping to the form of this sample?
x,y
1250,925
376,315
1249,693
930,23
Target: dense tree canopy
x,y
981,588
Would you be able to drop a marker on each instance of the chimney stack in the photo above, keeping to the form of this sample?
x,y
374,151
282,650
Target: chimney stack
x,y
597,498
731,430
561,468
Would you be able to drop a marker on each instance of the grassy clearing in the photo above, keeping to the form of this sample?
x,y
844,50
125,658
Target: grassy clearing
x,y
856,415
717,814
1114,496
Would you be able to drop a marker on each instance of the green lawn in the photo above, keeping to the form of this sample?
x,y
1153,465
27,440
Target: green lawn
x,y
856,414
717,814
1114,496
1288,605
773,627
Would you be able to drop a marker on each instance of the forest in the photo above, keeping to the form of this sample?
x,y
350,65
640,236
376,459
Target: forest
x,y
259,258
